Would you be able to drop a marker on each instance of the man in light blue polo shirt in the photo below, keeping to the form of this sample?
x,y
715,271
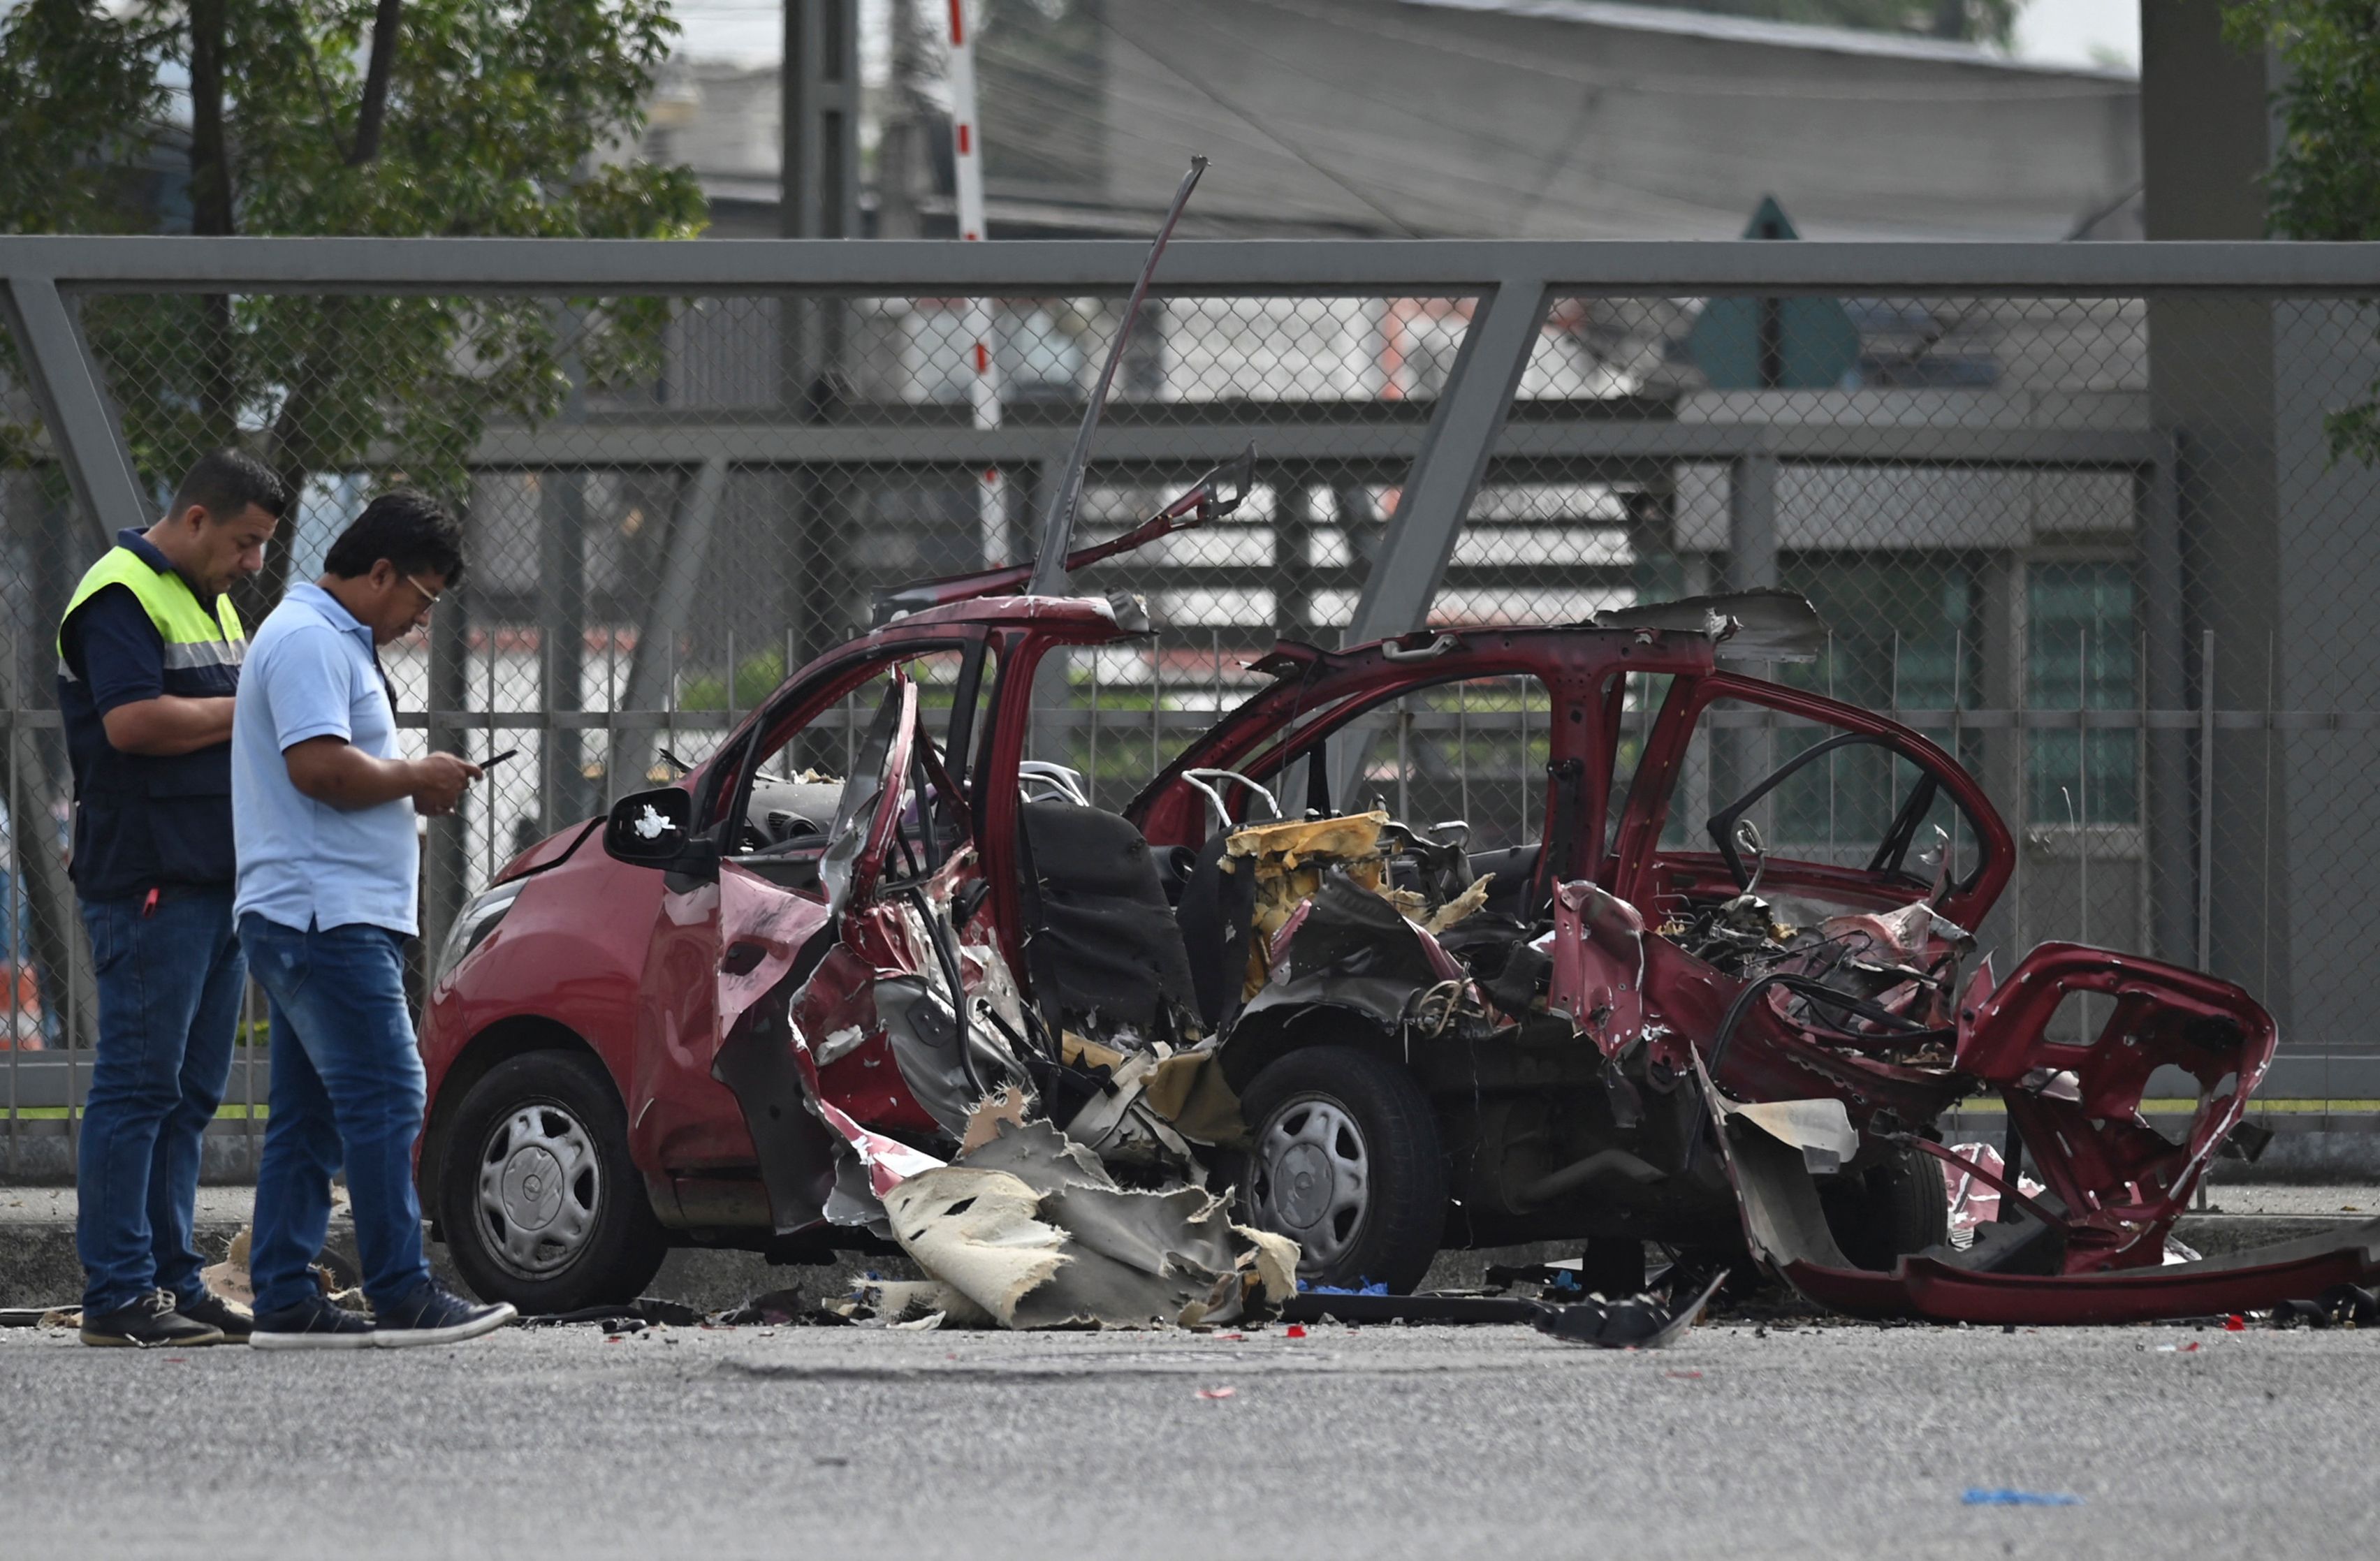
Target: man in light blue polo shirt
x,y
323,811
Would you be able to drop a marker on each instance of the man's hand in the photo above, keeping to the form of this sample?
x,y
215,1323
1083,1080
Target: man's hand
x,y
329,769
440,781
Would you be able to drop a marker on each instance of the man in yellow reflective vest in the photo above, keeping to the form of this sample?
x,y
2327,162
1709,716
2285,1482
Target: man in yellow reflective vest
x,y
149,659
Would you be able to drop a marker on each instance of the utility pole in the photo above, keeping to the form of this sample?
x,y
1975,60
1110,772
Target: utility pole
x,y
819,199
905,163
983,381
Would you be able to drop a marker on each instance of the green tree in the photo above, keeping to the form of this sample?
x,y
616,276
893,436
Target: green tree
x,y
2324,182
359,117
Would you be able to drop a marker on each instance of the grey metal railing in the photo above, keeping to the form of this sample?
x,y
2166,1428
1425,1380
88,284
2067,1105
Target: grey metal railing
x,y
2018,526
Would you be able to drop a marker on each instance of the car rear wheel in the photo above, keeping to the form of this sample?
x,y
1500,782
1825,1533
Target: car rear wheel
x,y
1347,1164
541,1205
1897,1207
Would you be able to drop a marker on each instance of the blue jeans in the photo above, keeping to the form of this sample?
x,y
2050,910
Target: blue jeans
x,y
347,1086
169,989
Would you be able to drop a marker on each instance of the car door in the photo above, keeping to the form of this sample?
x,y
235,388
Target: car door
x,y
1853,812
773,940
680,1119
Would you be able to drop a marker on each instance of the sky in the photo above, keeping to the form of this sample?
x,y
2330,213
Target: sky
x,y
2051,31
2080,32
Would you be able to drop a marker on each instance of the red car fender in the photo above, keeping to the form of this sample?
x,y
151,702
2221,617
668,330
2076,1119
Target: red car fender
x,y
2123,1183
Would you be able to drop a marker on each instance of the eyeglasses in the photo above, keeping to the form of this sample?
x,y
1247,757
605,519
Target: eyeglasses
x,y
428,597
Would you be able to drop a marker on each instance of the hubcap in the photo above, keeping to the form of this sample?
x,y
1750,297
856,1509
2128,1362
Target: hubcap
x,y
540,1189
1313,1178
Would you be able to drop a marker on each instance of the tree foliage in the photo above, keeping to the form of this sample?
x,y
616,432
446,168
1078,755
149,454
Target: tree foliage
x,y
2324,182
501,117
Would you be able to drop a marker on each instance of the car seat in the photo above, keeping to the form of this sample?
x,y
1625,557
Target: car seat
x,y
1101,945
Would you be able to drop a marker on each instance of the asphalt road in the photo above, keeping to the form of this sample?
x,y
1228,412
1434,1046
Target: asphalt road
x,y
1835,1441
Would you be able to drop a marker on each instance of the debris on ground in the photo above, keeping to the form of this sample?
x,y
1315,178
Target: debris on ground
x,y
623,1317
2340,1306
774,1308
1031,1228
39,1317
1640,1321
229,1279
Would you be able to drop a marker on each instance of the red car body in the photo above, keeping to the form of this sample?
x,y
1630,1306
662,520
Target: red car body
x,y
704,996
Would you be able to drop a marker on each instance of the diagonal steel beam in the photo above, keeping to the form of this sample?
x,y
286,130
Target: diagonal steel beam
x,y
676,603
1453,457
73,406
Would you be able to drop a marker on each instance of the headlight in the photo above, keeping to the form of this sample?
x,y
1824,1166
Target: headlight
x,y
471,928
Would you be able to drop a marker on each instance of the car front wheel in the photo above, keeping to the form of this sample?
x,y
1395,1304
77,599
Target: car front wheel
x,y
1347,1164
541,1205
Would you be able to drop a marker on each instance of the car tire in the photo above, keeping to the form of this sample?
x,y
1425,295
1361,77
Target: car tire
x,y
539,1200
1896,1207
1347,1164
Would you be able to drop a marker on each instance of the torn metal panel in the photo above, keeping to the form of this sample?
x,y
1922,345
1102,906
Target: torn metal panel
x,y
1030,1228
1787,1230
1821,1130
1766,625
1190,1090
1598,965
1347,946
1122,1127
1150,1101
2077,1106
1641,1322
768,1067
1287,860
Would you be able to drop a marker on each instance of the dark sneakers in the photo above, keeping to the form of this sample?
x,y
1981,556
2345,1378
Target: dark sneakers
x,y
312,1323
432,1315
228,1317
147,1323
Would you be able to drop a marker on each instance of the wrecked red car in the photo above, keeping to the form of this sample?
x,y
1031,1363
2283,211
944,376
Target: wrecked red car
x,y
872,943
732,1020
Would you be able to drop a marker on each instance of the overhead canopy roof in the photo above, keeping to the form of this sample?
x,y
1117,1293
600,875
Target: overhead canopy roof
x,y
1578,119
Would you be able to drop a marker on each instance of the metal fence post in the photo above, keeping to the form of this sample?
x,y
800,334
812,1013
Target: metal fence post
x,y
2206,800
2166,688
17,927
1751,520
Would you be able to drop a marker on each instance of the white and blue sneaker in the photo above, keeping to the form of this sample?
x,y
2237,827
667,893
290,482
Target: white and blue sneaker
x,y
432,1315
312,1323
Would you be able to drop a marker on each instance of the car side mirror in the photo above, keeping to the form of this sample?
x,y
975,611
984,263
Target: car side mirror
x,y
653,829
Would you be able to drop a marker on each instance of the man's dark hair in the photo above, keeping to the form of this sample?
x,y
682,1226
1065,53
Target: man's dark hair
x,y
227,481
407,527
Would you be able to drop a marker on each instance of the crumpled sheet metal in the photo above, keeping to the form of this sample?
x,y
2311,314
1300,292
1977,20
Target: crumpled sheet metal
x,y
1598,965
1288,860
1786,1229
1820,1128
1639,1322
1031,1228
1158,1096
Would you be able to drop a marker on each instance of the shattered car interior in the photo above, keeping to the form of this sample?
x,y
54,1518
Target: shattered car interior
x,y
877,976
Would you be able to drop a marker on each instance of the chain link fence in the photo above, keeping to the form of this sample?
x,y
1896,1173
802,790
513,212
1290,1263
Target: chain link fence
x,y
2094,545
